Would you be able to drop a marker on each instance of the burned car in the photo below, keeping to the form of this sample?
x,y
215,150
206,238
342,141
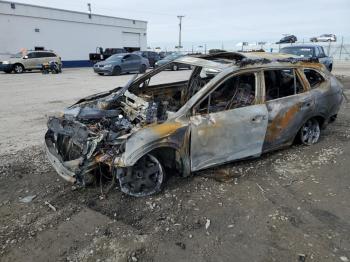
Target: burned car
x,y
256,103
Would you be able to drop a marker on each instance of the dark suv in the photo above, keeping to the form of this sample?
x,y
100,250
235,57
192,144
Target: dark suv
x,y
152,57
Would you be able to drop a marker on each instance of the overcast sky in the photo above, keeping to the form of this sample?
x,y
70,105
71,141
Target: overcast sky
x,y
223,21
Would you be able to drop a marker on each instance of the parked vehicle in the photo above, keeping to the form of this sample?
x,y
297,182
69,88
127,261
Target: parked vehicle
x,y
310,51
324,38
165,54
29,60
173,66
215,51
102,54
136,133
51,67
122,63
288,39
152,57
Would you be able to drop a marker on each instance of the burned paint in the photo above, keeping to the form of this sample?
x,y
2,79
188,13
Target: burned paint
x,y
281,121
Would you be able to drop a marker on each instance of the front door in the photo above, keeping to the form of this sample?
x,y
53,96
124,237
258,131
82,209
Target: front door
x,y
32,61
131,63
228,124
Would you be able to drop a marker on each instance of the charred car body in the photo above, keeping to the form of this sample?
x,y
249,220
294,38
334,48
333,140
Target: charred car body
x,y
258,102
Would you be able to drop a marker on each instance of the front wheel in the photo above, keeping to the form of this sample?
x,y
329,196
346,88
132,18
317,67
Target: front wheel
x,y
310,132
117,71
18,68
145,178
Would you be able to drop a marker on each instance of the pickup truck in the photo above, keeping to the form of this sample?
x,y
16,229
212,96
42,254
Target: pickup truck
x,y
310,51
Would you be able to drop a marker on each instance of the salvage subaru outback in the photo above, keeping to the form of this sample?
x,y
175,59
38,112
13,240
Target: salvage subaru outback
x,y
255,103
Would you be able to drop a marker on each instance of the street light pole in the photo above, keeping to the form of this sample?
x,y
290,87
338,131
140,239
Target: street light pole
x,y
180,26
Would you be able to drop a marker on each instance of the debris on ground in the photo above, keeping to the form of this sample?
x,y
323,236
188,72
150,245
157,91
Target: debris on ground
x,y
27,199
207,224
50,206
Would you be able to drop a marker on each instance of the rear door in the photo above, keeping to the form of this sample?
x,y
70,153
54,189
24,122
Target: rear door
x,y
288,103
228,124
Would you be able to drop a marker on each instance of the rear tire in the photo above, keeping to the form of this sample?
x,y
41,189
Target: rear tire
x,y
142,69
310,132
18,68
117,71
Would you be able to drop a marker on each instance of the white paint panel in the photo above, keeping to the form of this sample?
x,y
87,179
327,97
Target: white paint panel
x,y
131,39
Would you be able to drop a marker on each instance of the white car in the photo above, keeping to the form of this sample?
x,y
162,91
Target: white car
x,y
324,38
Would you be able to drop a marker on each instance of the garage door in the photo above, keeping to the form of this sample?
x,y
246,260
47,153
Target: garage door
x,y
131,39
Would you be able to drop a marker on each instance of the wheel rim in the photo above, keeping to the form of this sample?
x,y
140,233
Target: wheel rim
x,y
310,132
174,67
144,178
18,69
143,69
117,70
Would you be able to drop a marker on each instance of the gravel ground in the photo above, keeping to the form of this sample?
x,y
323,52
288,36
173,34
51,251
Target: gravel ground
x,y
289,205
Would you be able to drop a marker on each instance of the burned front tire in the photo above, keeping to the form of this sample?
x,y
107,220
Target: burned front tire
x,y
145,178
310,132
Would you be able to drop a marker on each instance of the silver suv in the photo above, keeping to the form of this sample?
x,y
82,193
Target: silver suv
x,y
29,61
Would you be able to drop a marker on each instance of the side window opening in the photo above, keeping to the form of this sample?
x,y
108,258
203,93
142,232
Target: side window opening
x,y
235,92
281,83
32,55
314,77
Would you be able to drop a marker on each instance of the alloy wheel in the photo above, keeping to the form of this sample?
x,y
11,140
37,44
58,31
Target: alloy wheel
x,y
18,69
310,132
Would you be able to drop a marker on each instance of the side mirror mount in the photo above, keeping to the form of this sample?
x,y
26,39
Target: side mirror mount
x,y
25,57
123,60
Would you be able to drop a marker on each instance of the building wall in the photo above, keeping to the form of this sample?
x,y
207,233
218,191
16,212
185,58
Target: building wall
x,y
72,35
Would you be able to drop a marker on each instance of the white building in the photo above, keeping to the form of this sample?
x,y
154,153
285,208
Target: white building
x,y
73,35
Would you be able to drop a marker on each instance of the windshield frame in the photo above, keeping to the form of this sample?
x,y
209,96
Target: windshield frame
x,y
114,58
298,51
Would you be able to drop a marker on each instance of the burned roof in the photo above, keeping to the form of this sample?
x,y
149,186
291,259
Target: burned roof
x,y
226,59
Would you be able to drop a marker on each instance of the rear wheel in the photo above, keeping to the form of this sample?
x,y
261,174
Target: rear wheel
x,y
310,132
174,67
145,178
117,71
18,68
142,69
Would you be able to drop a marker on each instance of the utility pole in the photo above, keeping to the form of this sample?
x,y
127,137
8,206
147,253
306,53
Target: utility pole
x,y
89,8
341,47
180,27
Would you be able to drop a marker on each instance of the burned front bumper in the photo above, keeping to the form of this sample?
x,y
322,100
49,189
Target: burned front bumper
x,y
69,146
75,152
57,163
